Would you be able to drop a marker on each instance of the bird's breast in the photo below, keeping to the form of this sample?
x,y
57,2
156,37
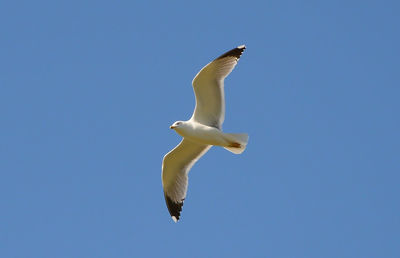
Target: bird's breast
x,y
203,134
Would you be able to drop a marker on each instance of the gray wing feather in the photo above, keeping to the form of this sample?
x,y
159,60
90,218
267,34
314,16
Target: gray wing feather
x,y
208,86
175,169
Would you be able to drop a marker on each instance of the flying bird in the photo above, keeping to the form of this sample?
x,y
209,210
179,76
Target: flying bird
x,y
202,130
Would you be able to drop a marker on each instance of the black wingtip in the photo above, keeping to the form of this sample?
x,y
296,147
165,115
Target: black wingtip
x,y
236,52
174,208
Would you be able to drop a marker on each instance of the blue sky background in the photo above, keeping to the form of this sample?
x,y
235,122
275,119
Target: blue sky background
x,y
88,90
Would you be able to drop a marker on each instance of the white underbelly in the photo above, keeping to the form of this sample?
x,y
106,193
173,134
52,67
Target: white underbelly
x,y
205,135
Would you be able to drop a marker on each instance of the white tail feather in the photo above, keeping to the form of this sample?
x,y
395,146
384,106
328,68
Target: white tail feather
x,y
238,142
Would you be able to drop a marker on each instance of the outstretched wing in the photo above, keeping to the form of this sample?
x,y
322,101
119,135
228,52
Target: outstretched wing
x,y
208,87
175,170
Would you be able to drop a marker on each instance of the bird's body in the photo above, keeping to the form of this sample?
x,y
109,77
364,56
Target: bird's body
x,y
203,134
202,131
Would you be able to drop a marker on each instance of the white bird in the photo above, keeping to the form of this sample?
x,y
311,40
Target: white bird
x,y
201,131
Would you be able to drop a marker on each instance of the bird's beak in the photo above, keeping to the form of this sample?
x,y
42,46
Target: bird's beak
x,y
171,127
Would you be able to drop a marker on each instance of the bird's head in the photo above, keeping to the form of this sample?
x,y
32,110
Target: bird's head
x,y
177,124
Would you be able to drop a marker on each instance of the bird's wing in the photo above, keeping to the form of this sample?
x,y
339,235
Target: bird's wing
x,y
208,87
175,168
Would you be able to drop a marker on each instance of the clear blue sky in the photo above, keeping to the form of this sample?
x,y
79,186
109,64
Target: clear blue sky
x,y
88,90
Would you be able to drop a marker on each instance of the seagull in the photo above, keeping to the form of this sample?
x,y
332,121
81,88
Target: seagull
x,y
202,131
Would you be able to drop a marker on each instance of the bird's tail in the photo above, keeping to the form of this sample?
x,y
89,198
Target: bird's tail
x,y
237,142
